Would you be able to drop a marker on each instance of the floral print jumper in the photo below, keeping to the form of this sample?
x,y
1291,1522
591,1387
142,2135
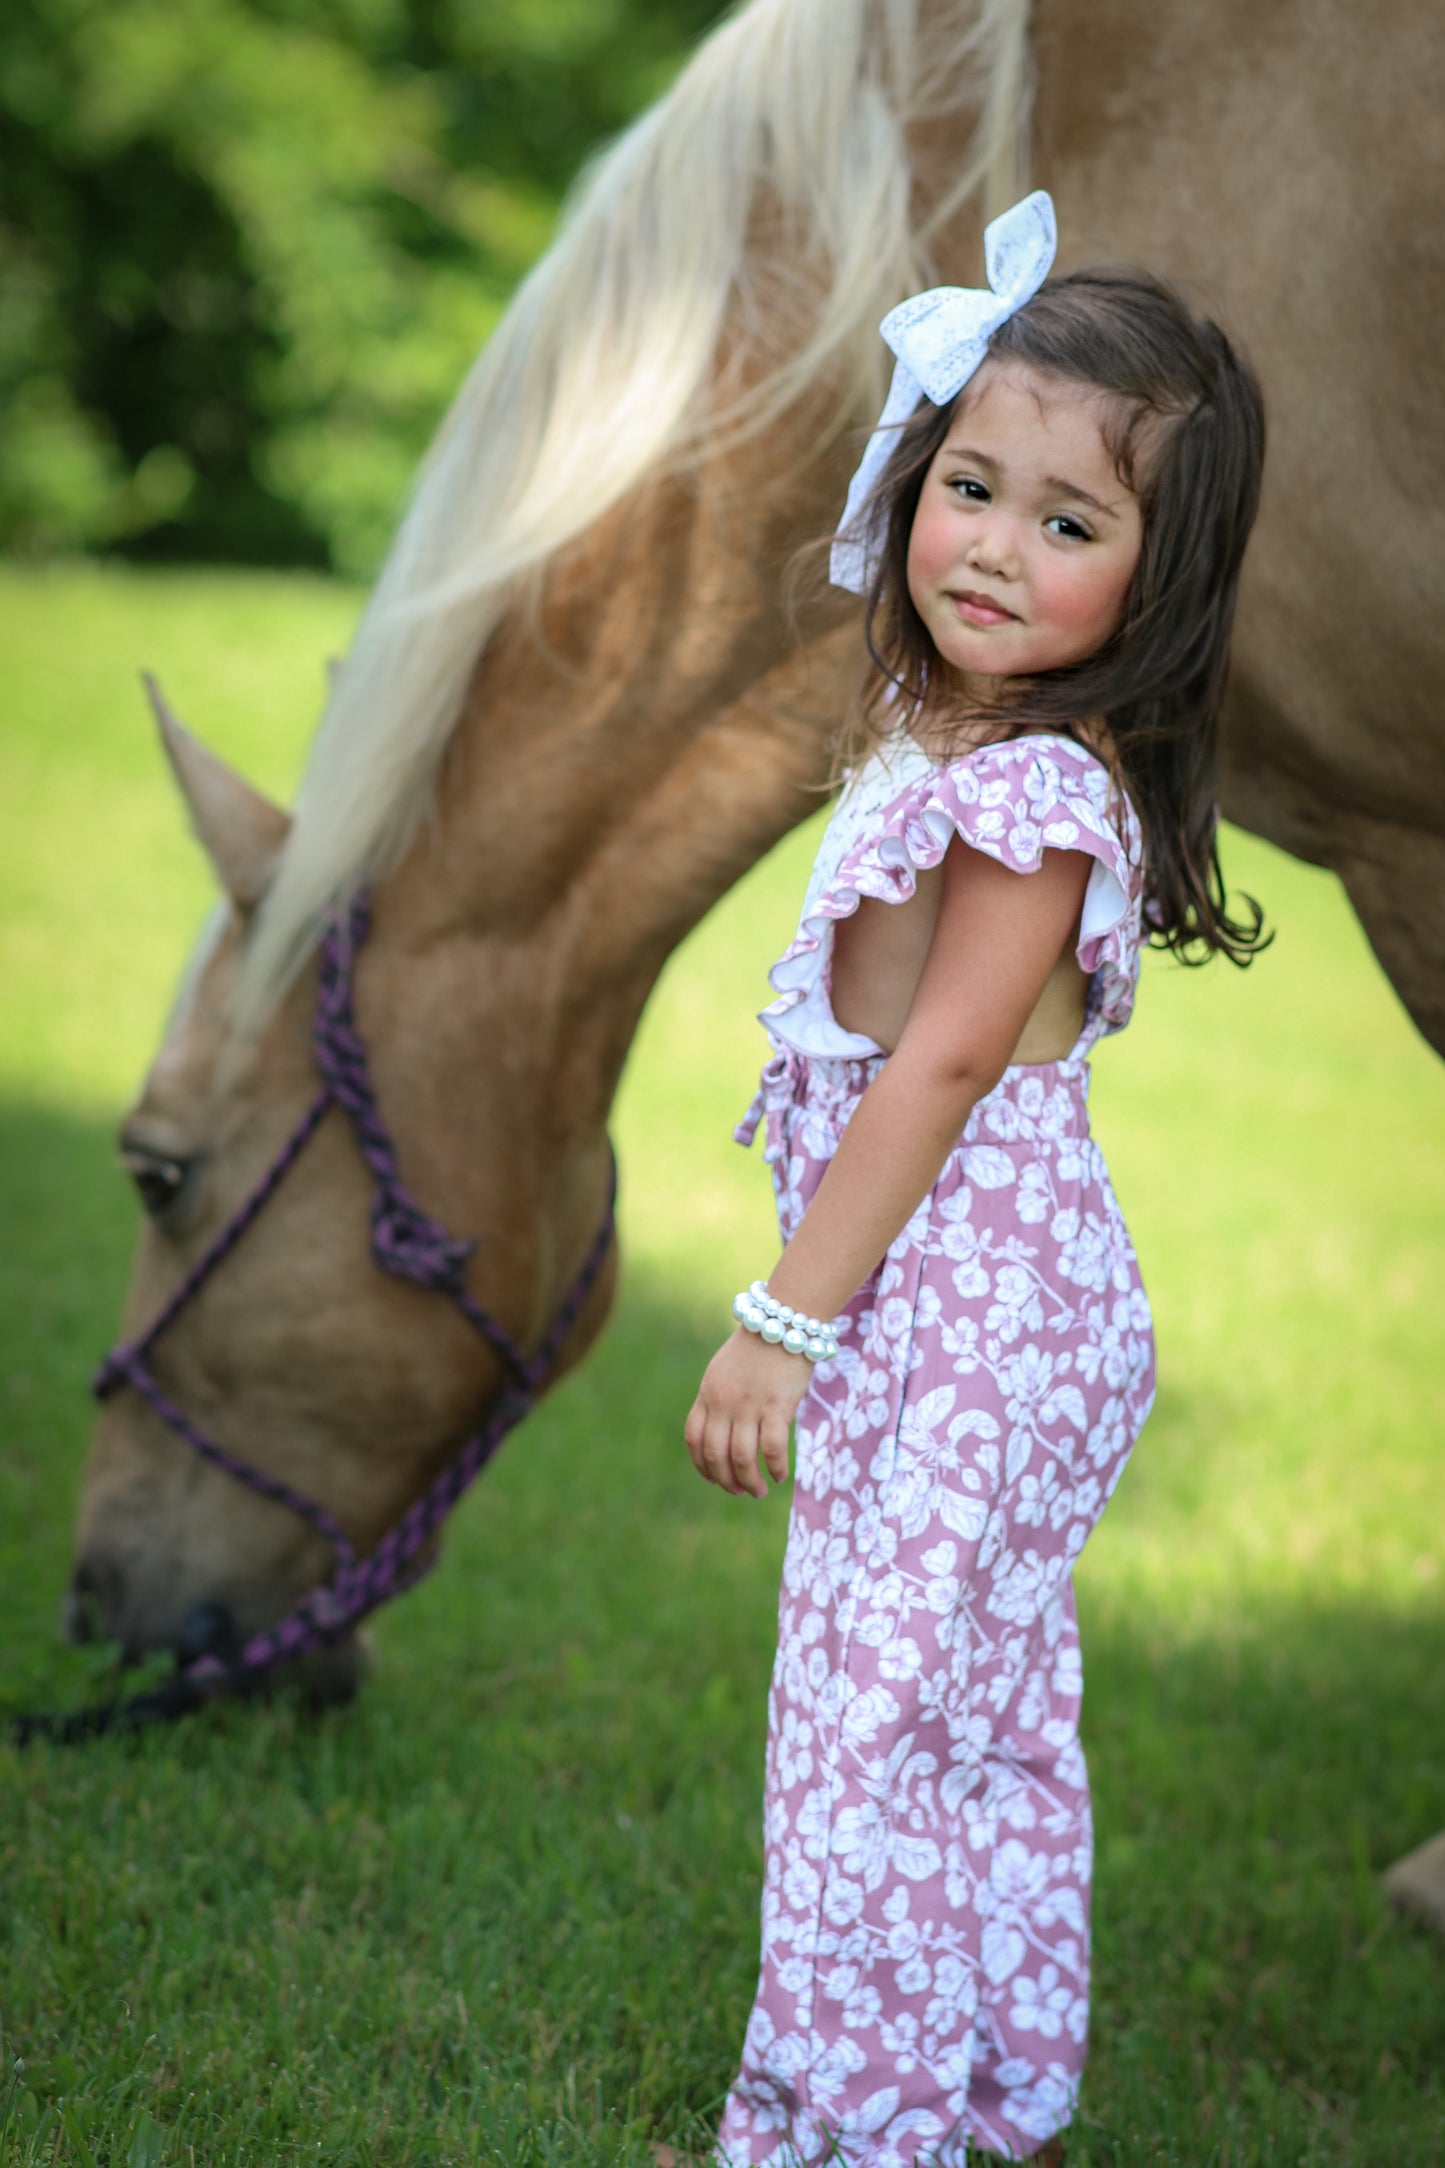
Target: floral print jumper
x,y
925,1925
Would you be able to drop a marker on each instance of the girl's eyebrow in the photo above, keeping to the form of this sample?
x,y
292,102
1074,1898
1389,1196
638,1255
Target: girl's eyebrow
x,y
1055,484
967,451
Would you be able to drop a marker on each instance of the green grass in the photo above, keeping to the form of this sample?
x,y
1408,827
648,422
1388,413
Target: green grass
x,y
504,1911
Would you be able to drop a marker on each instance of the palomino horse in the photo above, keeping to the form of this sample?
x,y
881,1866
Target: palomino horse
x,y
578,707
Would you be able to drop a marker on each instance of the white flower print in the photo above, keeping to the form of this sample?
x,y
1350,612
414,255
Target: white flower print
x,y
1016,1307
1038,1494
1108,1436
900,1658
864,2007
923,1417
843,1903
955,1994
844,1472
989,1168
1035,1196
802,1886
1022,1586
1041,2005
795,1759
1027,1377
871,1710
871,1837
1017,1876
898,2037
1038,2106
1086,1257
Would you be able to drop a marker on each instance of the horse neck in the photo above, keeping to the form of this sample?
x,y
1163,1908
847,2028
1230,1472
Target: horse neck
x,y
620,763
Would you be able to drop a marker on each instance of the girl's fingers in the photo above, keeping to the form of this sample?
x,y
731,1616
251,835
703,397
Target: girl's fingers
x,y
774,1436
692,1432
744,1455
731,1423
717,1461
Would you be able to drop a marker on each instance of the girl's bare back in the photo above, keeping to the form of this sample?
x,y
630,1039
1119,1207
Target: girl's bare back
x,y
878,959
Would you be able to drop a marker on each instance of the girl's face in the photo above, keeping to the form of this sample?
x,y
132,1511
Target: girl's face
x,y
1025,539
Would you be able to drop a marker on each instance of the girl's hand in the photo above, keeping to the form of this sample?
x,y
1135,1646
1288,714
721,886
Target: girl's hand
x,y
746,1401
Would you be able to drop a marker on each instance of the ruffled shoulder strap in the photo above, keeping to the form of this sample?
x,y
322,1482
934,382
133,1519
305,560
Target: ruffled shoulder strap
x,y
1018,799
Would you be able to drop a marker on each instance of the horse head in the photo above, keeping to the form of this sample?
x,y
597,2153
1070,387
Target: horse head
x,y
333,1388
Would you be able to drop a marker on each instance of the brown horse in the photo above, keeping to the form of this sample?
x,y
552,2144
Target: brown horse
x,y
578,708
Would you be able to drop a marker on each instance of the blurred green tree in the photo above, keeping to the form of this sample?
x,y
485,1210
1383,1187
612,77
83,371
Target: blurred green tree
x,y
249,247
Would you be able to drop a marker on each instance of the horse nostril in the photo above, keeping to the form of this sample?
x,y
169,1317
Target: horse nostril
x,y
90,1602
207,1629
79,1616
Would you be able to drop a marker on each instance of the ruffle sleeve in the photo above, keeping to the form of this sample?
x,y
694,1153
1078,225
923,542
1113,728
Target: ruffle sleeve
x,y
1012,801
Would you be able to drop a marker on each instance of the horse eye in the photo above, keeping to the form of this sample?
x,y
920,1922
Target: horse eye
x,y
157,1179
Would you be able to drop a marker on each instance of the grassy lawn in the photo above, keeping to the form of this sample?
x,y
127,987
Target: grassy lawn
x,y
504,1911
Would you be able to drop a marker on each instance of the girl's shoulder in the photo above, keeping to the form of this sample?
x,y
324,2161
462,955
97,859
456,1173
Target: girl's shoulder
x,y
1016,797
1055,750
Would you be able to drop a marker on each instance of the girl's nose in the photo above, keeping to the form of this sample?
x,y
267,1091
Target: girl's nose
x,y
991,550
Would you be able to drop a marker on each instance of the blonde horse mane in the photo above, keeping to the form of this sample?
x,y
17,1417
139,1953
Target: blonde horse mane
x,y
603,372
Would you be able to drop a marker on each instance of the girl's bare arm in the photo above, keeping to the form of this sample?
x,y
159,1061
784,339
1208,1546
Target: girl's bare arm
x,y
999,935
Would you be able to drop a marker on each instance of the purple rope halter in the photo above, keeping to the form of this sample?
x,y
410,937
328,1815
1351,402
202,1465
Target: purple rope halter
x,y
405,1241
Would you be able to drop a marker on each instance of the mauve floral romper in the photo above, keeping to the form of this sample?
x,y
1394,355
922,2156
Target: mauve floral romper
x,y
925,1931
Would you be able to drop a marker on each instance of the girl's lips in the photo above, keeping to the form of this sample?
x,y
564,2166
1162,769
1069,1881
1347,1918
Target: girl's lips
x,y
978,610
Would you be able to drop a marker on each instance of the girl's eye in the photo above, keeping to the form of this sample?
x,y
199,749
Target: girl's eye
x,y
970,487
1073,529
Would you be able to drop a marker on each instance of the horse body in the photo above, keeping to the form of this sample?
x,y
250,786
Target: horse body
x,y
645,719
1286,163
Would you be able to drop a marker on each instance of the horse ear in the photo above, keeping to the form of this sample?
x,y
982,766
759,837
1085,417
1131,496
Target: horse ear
x,y
241,832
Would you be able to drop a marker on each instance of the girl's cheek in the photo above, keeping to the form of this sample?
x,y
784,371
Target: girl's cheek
x,y
930,552
1088,602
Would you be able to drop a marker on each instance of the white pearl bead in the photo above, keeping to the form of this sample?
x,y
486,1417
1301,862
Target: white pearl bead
x,y
794,1341
785,1312
758,1292
752,1318
816,1348
772,1329
741,1306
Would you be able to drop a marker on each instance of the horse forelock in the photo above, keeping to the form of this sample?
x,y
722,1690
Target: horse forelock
x,y
604,370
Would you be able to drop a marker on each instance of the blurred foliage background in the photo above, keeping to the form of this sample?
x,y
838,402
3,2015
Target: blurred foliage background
x,y
248,249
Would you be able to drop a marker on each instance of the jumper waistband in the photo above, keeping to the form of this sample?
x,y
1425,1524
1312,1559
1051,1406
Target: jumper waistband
x,y
1032,1102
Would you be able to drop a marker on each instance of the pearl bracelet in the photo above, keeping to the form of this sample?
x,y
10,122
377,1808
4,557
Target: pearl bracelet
x,y
782,1326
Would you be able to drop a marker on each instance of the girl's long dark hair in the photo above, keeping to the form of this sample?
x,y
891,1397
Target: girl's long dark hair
x,y
1185,427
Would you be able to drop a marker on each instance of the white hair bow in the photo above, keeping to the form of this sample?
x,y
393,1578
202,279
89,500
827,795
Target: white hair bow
x,y
940,338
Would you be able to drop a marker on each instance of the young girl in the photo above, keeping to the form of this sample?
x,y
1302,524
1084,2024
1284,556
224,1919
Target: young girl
x,y
1050,540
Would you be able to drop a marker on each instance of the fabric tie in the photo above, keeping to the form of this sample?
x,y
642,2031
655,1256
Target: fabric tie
x,y
777,1087
940,338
